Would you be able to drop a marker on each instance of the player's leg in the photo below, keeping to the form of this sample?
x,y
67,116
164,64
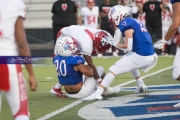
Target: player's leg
x,y
176,66
17,95
89,85
140,83
0,100
127,63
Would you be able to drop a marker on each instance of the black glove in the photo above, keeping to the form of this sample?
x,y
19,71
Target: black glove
x,y
167,8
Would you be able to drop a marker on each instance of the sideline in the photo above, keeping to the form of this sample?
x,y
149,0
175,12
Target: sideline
x,y
80,101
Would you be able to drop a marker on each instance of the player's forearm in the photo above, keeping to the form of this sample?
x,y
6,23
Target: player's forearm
x,y
171,32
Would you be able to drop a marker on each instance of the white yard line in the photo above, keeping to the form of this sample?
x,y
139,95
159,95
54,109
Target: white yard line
x,y
80,101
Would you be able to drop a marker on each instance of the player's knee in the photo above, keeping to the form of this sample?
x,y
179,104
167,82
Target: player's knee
x,y
100,70
175,74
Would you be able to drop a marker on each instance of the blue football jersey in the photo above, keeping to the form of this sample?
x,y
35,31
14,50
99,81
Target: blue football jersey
x,y
142,41
173,1
65,69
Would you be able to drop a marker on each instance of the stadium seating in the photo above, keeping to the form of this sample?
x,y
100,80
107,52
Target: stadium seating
x,y
38,13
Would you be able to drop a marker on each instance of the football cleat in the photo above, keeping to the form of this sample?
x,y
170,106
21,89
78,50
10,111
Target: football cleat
x,y
57,92
141,89
100,55
93,96
176,105
111,90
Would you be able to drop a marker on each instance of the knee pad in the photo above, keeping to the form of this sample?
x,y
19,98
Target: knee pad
x,y
175,73
100,70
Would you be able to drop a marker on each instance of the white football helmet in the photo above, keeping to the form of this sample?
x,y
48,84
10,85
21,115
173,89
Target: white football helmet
x,y
116,14
66,46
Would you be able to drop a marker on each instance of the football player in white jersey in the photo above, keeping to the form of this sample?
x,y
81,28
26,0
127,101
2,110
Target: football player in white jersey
x,y
76,77
13,43
90,15
89,40
135,10
166,22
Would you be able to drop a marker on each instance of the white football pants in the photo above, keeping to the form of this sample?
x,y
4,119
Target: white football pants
x,y
17,94
132,61
89,85
176,65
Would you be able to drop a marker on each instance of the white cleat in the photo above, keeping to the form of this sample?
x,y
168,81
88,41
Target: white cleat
x,y
141,89
100,55
111,90
176,105
93,96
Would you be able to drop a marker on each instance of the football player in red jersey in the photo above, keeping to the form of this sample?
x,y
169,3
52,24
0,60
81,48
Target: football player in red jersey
x,y
13,43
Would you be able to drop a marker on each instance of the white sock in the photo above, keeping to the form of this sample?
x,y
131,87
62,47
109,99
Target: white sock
x,y
139,81
22,117
58,86
108,79
99,91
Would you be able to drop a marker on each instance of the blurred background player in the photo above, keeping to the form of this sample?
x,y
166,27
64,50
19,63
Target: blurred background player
x,y
124,3
173,28
166,22
64,14
90,15
135,11
70,68
105,24
153,10
89,40
13,43
138,41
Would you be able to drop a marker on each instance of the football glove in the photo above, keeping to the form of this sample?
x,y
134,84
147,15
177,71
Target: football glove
x,y
109,41
160,44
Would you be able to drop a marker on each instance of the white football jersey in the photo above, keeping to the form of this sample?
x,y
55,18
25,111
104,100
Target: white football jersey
x,y
90,16
141,17
166,18
84,36
10,10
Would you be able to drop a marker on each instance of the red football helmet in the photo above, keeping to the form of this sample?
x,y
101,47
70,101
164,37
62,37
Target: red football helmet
x,y
90,3
100,46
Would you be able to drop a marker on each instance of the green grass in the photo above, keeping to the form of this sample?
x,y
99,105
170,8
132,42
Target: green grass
x,y
42,102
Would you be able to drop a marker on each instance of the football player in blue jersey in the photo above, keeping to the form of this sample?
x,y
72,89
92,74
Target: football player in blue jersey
x,y
76,77
71,68
138,43
174,27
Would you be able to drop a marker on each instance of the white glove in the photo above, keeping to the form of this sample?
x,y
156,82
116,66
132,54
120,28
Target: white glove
x,y
160,44
109,41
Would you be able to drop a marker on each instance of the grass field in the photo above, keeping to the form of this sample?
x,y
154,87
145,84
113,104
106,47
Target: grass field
x,y
42,103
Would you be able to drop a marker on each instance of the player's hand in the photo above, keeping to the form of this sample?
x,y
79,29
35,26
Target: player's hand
x,y
160,44
32,83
